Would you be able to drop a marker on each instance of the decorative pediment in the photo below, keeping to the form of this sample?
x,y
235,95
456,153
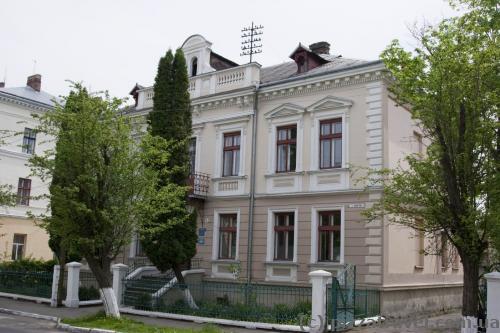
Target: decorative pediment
x,y
330,103
284,110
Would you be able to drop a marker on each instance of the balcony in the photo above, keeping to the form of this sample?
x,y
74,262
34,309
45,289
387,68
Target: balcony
x,y
199,184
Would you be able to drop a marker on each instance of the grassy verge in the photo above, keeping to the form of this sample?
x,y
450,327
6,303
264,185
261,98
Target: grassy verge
x,y
126,325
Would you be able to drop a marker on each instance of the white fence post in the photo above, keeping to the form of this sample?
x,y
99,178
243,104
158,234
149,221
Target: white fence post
x,y
55,283
319,280
73,284
119,273
493,298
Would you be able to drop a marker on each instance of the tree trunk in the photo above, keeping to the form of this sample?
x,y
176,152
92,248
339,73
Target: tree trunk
x,y
182,283
470,295
102,273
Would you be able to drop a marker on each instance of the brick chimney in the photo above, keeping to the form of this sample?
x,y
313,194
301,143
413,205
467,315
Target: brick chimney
x,y
320,48
35,82
2,84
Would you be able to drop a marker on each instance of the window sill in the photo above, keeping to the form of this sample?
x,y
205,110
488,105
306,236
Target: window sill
x,y
225,261
312,172
419,268
333,264
281,263
284,174
228,178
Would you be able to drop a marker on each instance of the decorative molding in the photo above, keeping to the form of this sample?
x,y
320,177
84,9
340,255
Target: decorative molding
x,y
374,126
25,102
284,110
330,103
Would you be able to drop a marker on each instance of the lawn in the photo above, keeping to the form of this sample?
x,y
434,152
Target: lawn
x,y
126,325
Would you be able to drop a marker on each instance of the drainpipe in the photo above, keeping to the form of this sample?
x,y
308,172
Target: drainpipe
x,y
252,187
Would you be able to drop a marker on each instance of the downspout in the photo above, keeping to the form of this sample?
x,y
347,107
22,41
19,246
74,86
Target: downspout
x,y
252,187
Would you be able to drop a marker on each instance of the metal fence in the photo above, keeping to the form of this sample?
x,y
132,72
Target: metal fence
x,y
37,284
225,300
88,289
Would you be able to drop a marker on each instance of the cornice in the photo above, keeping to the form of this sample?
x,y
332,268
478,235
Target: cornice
x,y
24,102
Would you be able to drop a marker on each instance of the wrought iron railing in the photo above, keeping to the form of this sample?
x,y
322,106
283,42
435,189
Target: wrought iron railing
x,y
38,284
199,184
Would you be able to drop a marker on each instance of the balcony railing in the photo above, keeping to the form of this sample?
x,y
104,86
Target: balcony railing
x,y
198,182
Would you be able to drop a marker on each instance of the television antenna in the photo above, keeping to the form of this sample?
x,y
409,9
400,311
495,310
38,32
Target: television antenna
x,y
251,43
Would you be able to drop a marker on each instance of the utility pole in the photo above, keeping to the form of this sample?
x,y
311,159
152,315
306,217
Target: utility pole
x,y
250,43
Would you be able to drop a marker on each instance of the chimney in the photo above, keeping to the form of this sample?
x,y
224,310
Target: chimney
x,y
320,48
35,82
2,84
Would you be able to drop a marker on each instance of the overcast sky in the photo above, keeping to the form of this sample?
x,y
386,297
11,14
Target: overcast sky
x,y
111,44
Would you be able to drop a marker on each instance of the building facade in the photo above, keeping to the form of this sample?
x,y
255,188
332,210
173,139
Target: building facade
x,y
282,152
20,236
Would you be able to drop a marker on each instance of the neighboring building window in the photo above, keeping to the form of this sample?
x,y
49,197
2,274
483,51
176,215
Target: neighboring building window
x,y
284,225
420,144
444,251
29,141
330,143
286,148
194,66
18,246
23,191
192,156
227,236
329,235
231,159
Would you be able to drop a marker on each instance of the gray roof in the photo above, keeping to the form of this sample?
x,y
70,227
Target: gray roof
x,y
30,94
287,70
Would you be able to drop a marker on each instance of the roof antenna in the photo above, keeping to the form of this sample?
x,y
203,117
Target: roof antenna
x,y
249,43
34,66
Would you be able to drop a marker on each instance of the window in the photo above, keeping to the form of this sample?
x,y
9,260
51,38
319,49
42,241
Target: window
x,y
444,251
227,236
330,143
192,156
194,66
420,144
23,191
420,249
231,159
284,224
18,245
29,141
286,148
329,236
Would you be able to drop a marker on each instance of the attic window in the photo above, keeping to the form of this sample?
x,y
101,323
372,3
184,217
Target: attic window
x,y
301,63
194,66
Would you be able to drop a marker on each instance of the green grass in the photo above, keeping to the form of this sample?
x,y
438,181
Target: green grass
x,y
126,325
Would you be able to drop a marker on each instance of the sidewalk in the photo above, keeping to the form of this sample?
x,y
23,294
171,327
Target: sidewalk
x,y
63,312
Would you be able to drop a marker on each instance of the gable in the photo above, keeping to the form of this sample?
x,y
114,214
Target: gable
x,y
287,109
330,103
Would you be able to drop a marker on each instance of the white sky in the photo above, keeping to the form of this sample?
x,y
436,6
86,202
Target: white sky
x,y
112,44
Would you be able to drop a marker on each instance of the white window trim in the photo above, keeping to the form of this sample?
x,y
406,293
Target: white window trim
x,y
315,210
215,232
317,117
197,135
274,123
219,145
270,233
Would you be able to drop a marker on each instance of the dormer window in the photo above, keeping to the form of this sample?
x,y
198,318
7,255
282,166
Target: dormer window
x,y
301,64
194,66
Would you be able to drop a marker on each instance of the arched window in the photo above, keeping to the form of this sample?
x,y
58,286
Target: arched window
x,y
194,66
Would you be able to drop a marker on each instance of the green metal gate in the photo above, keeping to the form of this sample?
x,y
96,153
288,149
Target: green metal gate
x,y
342,299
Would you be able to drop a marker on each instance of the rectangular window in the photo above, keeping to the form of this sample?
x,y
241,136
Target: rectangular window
x,y
18,245
192,156
23,191
231,159
227,236
284,224
29,141
420,249
286,148
329,236
330,140
444,251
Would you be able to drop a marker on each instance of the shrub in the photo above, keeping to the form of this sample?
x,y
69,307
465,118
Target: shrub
x,y
88,293
28,264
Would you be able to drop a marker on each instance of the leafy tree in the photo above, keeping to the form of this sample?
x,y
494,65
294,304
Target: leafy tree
x,y
97,176
168,230
450,86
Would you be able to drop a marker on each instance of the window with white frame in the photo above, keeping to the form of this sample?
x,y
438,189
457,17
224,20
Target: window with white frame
x,y
286,153
231,155
330,139
228,234
192,156
23,191
18,246
284,236
329,230
29,141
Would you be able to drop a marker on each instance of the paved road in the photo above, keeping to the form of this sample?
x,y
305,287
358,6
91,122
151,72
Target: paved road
x,y
18,324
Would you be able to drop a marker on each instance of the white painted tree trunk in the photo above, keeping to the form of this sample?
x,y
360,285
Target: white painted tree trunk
x,y
109,301
189,299
469,324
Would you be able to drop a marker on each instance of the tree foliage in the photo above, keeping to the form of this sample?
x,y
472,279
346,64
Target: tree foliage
x,y
168,232
450,85
97,176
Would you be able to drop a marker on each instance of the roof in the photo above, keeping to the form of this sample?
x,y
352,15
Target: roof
x,y
288,69
30,94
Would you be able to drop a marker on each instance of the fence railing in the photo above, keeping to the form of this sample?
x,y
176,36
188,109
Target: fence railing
x,y
367,303
88,289
36,284
236,301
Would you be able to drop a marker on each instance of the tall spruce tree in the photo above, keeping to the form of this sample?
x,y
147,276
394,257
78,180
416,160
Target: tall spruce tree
x,y
168,232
